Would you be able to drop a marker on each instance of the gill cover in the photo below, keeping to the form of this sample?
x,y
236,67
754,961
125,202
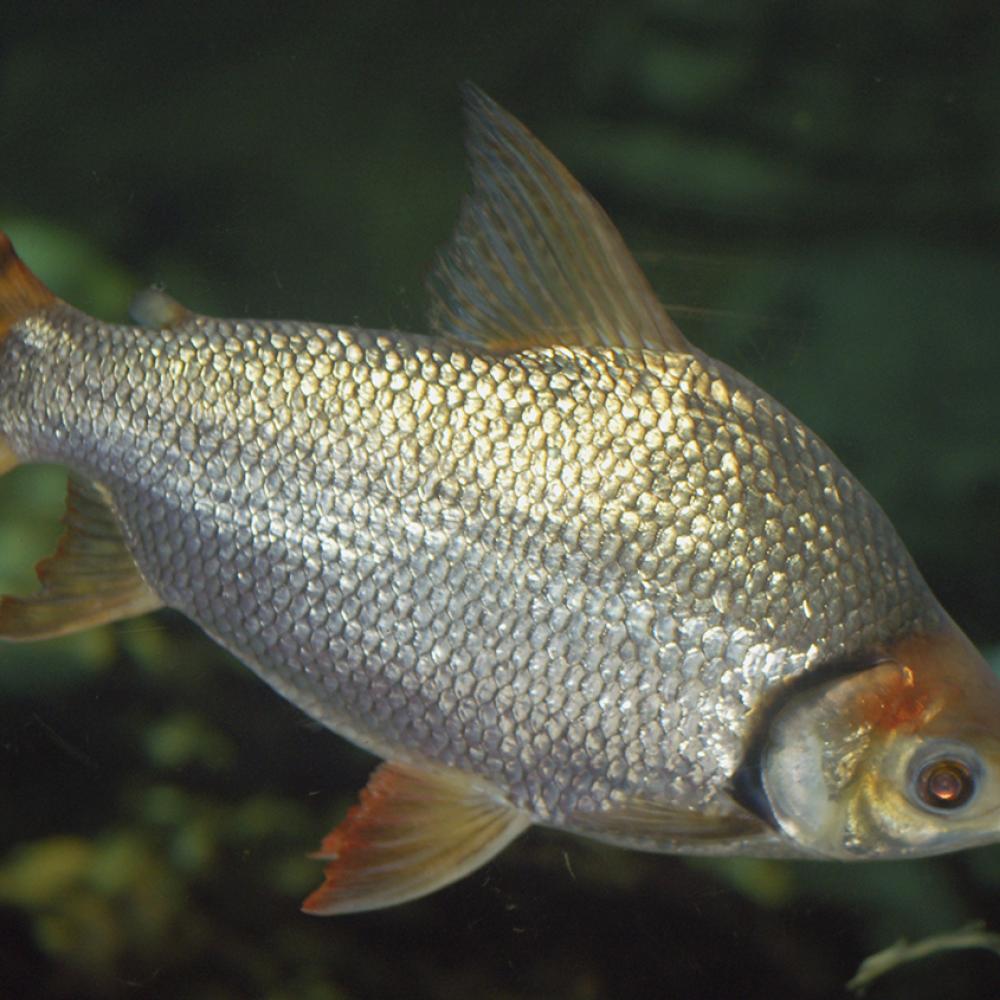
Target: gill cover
x,y
899,756
815,755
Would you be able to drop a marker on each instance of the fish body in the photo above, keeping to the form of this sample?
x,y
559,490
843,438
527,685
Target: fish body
x,y
553,563
518,565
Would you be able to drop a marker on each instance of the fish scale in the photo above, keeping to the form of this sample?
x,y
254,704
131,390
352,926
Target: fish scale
x,y
553,563
439,559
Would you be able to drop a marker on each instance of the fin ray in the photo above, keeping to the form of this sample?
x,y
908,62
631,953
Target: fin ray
x,y
91,579
534,260
414,830
641,821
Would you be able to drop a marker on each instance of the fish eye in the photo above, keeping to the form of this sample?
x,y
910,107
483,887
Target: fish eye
x,y
945,784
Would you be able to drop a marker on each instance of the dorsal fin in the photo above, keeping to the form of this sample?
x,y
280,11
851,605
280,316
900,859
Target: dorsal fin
x,y
534,261
21,293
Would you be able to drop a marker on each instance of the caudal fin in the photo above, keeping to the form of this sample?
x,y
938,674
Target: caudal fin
x,y
21,293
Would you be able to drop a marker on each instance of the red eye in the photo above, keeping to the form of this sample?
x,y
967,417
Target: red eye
x,y
945,784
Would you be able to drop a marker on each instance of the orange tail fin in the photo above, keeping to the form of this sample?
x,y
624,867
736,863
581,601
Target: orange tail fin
x,y
21,293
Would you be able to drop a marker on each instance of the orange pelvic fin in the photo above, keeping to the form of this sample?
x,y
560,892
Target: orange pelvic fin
x,y
21,293
414,830
90,580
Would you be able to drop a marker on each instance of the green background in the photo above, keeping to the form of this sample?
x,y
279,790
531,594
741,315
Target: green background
x,y
814,186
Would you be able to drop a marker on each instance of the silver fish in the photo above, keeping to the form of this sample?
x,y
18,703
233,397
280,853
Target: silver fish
x,y
552,563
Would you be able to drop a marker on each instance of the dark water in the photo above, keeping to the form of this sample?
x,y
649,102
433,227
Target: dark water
x,y
823,178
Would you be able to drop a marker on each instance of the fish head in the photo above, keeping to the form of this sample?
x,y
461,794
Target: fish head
x,y
897,758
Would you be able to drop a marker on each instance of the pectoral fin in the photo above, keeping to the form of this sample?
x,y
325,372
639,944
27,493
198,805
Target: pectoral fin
x,y
414,830
653,825
90,580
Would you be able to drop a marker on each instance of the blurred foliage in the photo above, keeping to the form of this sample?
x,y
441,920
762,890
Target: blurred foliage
x,y
817,186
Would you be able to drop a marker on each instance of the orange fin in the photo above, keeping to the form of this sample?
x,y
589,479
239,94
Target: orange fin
x,y
534,261
152,307
414,830
21,293
641,822
90,580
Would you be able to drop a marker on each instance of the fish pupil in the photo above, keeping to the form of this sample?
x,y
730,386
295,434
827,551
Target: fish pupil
x,y
946,784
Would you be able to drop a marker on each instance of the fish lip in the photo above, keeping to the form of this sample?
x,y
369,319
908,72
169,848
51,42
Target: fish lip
x,y
746,785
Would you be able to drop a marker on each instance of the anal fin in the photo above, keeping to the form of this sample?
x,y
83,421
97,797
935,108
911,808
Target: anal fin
x,y
91,579
414,830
